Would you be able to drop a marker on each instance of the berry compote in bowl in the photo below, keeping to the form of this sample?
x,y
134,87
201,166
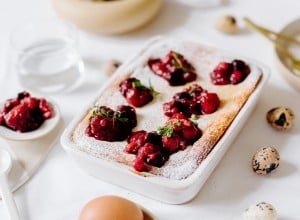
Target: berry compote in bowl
x,y
26,117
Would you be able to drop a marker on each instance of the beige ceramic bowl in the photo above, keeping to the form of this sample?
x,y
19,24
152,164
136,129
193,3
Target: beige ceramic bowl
x,y
292,29
108,17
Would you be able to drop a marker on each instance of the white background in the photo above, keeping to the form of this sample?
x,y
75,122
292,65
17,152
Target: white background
x,y
59,189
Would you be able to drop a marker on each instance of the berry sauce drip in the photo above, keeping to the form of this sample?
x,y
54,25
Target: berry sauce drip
x,y
230,73
174,68
109,125
136,93
154,148
194,100
25,113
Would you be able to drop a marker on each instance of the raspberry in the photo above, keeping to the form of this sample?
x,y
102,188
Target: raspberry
x,y
191,134
109,125
132,148
220,75
135,141
154,148
172,107
236,77
174,68
31,102
209,102
191,101
216,80
135,93
227,73
145,150
171,143
21,118
2,119
139,165
223,69
24,113
9,104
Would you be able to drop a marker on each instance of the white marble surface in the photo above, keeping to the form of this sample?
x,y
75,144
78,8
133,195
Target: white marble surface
x,y
59,189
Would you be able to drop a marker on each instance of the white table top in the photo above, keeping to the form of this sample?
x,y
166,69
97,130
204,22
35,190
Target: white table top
x,y
59,189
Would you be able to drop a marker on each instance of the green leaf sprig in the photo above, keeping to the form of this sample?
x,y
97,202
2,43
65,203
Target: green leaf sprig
x,y
194,118
169,129
179,64
138,84
113,115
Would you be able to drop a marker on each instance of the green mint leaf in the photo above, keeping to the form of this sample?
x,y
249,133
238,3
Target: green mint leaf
x,y
186,69
168,130
152,91
138,84
160,131
113,115
94,113
123,120
194,118
179,64
176,64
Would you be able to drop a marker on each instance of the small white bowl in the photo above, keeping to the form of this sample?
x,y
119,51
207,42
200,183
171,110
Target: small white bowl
x,y
291,29
47,126
107,17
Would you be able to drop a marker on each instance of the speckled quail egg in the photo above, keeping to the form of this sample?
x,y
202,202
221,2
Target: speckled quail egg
x,y
260,211
110,66
226,24
265,160
281,118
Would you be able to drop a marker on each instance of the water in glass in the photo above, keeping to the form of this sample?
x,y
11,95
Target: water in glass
x,y
50,65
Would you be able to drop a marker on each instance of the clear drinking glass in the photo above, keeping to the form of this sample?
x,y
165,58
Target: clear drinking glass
x,y
47,59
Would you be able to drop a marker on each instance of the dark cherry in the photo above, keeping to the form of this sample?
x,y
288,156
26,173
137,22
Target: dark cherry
x,y
127,112
174,68
25,113
135,93
241,66
135,141
109,125
230,73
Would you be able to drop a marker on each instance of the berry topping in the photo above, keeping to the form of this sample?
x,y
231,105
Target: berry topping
x,y
194,100
136,93
230,73
154,148
109,125
174,68
209,102
25,113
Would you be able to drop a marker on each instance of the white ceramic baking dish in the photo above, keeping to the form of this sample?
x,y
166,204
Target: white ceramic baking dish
x,y
159,188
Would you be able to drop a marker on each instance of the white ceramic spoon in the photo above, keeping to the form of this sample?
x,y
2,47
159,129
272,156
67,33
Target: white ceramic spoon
x,y
7,197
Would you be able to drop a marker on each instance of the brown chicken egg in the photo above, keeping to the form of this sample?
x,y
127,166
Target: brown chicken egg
x,y
111,208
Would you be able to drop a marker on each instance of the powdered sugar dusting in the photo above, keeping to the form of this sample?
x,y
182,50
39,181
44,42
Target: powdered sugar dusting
x,y
184,163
